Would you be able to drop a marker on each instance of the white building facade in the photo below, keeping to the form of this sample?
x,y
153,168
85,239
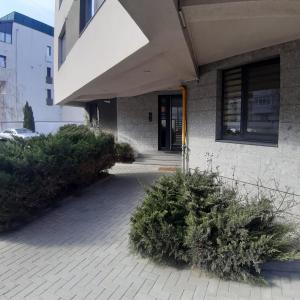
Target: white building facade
x,y
26,75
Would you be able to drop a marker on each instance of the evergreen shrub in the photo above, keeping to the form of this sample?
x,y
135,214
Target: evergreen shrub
x,y
196,219
35,173
28,121
124,153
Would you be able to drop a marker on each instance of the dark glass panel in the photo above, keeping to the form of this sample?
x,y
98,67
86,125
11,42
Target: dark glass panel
x,y
176,122
232,92
263,96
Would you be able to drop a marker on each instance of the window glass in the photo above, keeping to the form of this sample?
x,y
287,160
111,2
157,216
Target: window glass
x,y
48,72
232,95
88,8
176,121
263,99
49,50
2,61
6,32
49,96
2,37
251,101
62,46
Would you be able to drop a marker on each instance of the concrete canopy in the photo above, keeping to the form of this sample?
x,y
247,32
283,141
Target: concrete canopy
x,y
160,59
223,28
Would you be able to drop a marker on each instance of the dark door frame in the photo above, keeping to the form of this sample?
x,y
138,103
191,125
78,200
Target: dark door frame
x,y
168,146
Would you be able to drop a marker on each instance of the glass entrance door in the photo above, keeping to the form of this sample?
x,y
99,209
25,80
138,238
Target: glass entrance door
x,y
176,122
170,122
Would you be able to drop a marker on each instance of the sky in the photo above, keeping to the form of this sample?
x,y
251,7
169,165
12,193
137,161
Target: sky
x,y
42,10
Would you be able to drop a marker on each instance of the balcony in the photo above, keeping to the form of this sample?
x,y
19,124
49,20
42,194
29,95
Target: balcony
x,y
49,80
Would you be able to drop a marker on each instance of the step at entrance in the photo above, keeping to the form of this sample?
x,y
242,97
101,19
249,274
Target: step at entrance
x,y
160,158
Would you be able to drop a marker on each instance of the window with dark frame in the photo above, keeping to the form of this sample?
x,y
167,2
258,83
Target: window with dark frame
x,y
251,102
2,61
48,72
49,51
88,8
6,32
49,94
49,100
62,46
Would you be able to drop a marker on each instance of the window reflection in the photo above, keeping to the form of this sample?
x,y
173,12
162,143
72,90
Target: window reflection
x,y
232,102
251,102
6,32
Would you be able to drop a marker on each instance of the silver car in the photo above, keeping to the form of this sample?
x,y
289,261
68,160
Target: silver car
x,y
24,133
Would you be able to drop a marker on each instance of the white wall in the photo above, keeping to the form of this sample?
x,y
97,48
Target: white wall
x,y
111,36
27,64
8,104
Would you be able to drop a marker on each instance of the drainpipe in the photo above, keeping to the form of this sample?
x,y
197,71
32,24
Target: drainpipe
x,y
184,131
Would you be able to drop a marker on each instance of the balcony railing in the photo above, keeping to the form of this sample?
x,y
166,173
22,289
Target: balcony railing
x,y
49,80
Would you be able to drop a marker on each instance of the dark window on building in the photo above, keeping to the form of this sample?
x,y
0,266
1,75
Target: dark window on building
x,y
49,94
49,79
49,100
2,61
88,8
251,101
60,2
62,46
48,72
6,32
49,51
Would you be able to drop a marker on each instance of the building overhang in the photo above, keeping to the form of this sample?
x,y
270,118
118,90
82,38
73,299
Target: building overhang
x,y
153,55
223,28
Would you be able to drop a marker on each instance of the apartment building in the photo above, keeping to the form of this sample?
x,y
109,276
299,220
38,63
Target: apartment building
x,y
218,79
26,74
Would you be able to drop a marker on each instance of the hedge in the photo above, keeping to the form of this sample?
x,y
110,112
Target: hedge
x,y
36,173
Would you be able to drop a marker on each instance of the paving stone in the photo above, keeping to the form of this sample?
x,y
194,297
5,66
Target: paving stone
x,y
141,296
80,251
187,295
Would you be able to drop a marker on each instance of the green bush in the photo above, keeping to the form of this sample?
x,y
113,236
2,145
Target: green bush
x,y
124,153
35,173
195,219
158,226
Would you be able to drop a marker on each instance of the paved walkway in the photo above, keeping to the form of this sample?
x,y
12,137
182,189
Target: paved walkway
x,y
80,251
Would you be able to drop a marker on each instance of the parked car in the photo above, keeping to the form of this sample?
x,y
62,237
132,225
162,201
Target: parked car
x,y
24,133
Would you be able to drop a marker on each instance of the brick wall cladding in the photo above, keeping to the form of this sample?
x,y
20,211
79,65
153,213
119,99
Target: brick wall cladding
x,y
248,162
133,121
